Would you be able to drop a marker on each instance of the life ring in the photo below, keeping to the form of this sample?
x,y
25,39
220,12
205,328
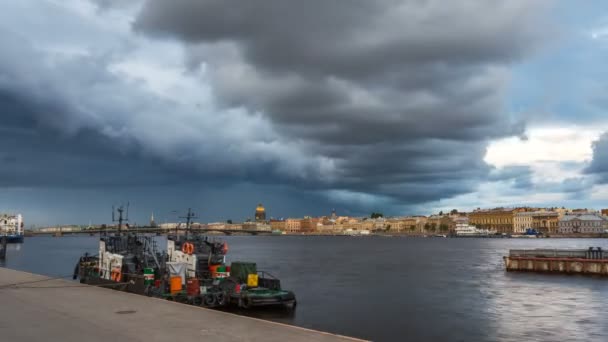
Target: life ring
x,y
188,248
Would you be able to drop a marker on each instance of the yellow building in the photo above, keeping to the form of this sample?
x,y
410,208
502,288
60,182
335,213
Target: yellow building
x,y
278,225
500,220
293,225
542,221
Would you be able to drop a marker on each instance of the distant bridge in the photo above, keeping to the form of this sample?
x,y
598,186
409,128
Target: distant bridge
x,y
147,230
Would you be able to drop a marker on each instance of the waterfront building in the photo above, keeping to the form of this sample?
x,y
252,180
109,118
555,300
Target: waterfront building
x,y
543,221
583,223
397,224
278,225
437,223
498,219
260,213
293,225
522,221
411,224
309,225
561,212
546,222
234,226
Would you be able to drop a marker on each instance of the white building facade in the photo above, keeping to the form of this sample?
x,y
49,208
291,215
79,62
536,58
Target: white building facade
x,y
585,223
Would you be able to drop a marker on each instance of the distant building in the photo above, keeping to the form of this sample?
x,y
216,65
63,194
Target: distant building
x,y
436,223
583,223
541,221
499,220
309,225
293,225
260,213
278,225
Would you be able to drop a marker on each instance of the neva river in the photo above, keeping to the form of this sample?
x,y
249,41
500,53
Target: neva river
x,y
399,289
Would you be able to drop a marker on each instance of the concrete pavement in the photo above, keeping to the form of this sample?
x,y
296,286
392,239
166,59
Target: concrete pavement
x,y
61,310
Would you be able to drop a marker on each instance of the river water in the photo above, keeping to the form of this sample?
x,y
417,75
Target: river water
x,y
399,289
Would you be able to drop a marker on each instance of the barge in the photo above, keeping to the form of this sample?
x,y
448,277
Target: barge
x,y
591,261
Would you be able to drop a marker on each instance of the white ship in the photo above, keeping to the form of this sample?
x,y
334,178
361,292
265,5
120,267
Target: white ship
x,y
466,230
11,226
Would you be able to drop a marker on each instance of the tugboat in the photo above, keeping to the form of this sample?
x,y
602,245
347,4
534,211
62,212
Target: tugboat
x,y
193,270
200,264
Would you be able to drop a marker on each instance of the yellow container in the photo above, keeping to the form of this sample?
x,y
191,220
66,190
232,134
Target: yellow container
x,y
176,284
252,280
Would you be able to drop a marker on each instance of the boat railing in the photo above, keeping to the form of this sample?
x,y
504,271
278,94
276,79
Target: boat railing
x,y
591,253
268,281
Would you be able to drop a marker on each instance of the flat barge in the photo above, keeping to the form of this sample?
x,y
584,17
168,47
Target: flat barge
x,y
591,261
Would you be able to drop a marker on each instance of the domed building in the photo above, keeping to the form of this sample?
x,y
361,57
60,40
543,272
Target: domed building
x,y
260,213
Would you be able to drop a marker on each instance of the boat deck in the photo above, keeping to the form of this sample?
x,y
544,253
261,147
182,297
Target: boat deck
x,y
44,309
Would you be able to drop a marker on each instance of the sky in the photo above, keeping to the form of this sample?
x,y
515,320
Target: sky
x,y
398,106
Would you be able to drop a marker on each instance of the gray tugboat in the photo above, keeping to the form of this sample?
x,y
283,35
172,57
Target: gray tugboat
x,y
192,270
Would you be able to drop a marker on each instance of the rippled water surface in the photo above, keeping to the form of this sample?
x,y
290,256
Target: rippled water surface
x,y
399,289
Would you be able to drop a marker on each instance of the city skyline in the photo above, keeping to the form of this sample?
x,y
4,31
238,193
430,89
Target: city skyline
x,y
394,106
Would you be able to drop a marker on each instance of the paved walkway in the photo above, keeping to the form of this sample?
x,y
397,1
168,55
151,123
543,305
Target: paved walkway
x,y
50,310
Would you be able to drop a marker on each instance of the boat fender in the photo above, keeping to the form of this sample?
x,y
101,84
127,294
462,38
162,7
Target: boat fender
x,y
221,298
245,302
209,299
224,248
76,271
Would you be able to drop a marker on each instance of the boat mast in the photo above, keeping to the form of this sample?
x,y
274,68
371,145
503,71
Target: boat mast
x,y
188,218
120,220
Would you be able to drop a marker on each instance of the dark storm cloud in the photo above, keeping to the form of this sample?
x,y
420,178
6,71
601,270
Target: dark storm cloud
x,y
599,163
400,97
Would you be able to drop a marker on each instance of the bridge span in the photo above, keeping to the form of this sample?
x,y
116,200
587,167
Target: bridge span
x,y
145,230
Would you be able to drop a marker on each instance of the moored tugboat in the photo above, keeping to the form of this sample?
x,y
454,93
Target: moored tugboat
x,y
193,270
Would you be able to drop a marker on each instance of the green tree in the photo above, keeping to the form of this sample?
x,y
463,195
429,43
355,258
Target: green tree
x,y
376,215
412,227
454,211
443,227
441,213
388,227
229,221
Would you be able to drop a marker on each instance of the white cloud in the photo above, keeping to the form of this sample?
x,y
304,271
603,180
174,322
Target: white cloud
x,y
557,144
553,153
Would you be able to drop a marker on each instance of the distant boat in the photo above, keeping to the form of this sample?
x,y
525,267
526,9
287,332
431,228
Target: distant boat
x,y
11,226
465,230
